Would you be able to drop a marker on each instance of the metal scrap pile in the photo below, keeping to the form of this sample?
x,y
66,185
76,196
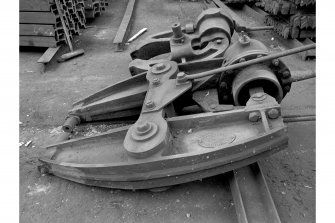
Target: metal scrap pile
x,y
291,18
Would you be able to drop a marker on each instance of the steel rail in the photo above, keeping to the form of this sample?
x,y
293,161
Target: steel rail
x,y
251,62
252,198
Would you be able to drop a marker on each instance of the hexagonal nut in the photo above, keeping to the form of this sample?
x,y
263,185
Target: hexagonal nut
x,y
189,28
275,62
273,113
254,116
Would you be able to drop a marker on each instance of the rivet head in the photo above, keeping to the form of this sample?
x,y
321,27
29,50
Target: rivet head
x,y
273,113
218,41
275,62
213,106
150,104
155,81
144,130
181,75
160,66
254,117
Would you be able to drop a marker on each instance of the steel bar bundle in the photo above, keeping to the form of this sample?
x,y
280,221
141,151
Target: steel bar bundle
x,y
40,23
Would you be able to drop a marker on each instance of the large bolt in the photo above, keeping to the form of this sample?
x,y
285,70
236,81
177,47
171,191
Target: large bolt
x,y
143,128
273,113
254,117
160,66
181,77
150,104
176,28
155,81
275,62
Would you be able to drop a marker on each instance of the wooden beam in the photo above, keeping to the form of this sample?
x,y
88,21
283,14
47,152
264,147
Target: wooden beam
x,y
124,27
48,55
39,41
37,18
36,30
34,5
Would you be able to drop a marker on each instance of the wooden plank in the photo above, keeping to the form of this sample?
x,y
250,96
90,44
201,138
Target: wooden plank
x,y
36,30
34,5
37,18
124,27
48,55
39,41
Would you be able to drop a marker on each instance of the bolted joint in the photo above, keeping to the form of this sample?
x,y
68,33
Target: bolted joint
x,y
244,39
260,96
181,78
143,128
275,62
286,74
254,116
160,66
178,36
150,104
273,113
156,82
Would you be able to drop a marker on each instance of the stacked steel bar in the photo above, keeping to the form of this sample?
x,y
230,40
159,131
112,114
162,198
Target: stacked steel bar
x,y
40,23
94,8
291,18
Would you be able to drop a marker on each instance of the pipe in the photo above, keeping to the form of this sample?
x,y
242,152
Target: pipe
x,y
70,123
251,62
299,119
260,28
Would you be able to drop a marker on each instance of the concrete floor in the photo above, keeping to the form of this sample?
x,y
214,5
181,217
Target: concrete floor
x,y
46,98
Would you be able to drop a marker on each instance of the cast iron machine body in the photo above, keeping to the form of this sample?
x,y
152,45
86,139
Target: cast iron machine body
x,y
234,93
